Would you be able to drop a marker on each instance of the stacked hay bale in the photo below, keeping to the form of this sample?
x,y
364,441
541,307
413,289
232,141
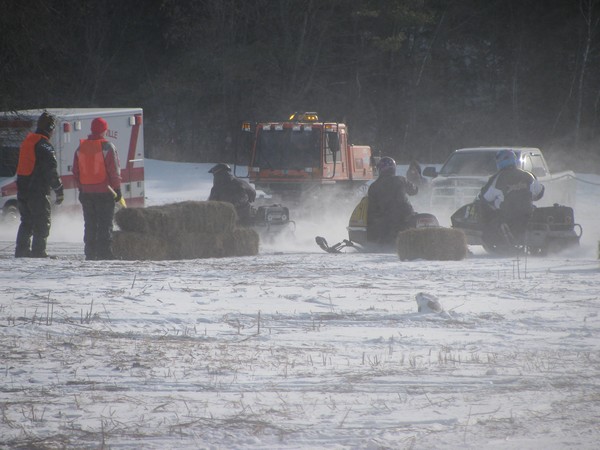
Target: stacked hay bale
x,y
435,244
185,230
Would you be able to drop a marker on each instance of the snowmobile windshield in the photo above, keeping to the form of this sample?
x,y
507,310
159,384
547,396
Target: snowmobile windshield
x,y
288,149
475,163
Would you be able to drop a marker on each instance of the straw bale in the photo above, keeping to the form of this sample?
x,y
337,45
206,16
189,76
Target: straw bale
x,y
241,242
175,218
441,244
142,220
185,230
202,217
197,245
133,246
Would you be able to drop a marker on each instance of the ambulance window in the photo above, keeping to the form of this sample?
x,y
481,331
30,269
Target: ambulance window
x,y
9,158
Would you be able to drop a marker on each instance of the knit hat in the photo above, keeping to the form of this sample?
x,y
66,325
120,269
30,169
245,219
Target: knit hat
x,y
99,125
46,122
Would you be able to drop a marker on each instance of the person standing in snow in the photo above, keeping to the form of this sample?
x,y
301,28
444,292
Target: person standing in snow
x,y
389,209
510,194
414,174
97,174
228,188
36,174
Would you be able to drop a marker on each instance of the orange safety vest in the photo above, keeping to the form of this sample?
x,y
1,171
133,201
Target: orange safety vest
x,y
92,169
27,154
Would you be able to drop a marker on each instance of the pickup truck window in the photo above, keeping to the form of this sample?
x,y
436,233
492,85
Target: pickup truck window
x,y
538,166
470,163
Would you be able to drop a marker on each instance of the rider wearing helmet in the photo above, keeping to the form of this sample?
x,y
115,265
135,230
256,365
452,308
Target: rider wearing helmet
x,y
389,209
227,188
510,194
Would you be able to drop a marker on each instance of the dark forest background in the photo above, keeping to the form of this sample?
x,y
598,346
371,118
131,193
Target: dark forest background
x,y
412,78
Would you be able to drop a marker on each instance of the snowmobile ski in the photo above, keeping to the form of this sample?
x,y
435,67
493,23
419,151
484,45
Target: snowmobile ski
x,y
335,248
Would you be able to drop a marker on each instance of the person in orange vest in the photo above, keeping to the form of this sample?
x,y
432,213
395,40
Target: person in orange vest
x,y
97,171
36,175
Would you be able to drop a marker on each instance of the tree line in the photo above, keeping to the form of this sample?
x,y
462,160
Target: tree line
x,y
412,78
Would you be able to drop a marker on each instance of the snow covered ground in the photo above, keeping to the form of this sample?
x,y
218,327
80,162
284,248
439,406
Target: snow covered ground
x,y
298,349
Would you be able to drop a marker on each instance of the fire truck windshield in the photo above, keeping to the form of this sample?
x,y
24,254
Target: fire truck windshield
x,y
288,149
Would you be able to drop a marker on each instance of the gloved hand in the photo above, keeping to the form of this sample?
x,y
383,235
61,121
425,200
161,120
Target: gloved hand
x,y
60,195
118,195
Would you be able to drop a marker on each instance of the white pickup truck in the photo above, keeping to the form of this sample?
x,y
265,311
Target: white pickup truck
x,y
466,170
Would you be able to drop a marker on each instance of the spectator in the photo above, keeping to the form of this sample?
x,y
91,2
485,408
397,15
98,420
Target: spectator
x,y
98,176
36,175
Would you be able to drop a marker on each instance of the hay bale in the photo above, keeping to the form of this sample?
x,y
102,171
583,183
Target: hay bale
x,y
143,220
434,244
132,246
238,242
202,217
185,230
241,242
175,218
197,245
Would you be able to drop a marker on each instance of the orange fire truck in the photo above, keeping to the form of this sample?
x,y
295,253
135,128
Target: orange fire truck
x,y
303,156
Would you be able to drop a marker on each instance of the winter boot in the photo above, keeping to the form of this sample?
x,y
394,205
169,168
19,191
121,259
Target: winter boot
x,y
22,252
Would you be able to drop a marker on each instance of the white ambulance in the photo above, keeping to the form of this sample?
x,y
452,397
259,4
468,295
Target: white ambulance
x,y
125,131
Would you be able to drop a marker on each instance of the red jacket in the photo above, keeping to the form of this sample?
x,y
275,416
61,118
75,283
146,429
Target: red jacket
x,y
96,166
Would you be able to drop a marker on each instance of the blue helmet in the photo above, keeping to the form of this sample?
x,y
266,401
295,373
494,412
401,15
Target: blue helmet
x,y
505,158
386,165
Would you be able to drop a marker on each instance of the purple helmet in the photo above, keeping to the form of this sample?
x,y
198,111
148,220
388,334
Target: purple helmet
x,y
386,165
505,158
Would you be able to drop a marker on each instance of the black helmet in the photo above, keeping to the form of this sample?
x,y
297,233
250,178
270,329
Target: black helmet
x,y
46,122
220,168
386,165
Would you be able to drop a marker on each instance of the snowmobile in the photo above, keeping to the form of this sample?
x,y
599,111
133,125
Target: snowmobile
x,y
271,220
357,230
549,230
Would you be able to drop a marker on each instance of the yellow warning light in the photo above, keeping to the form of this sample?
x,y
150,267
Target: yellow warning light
x,y
305,117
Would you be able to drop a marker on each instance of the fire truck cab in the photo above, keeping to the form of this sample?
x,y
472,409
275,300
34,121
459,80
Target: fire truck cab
x,y
303,155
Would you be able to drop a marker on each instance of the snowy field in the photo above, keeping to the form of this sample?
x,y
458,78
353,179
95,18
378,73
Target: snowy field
x,y
298,349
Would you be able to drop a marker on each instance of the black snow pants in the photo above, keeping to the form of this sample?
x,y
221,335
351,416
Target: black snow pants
x,y
98,215
35,211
